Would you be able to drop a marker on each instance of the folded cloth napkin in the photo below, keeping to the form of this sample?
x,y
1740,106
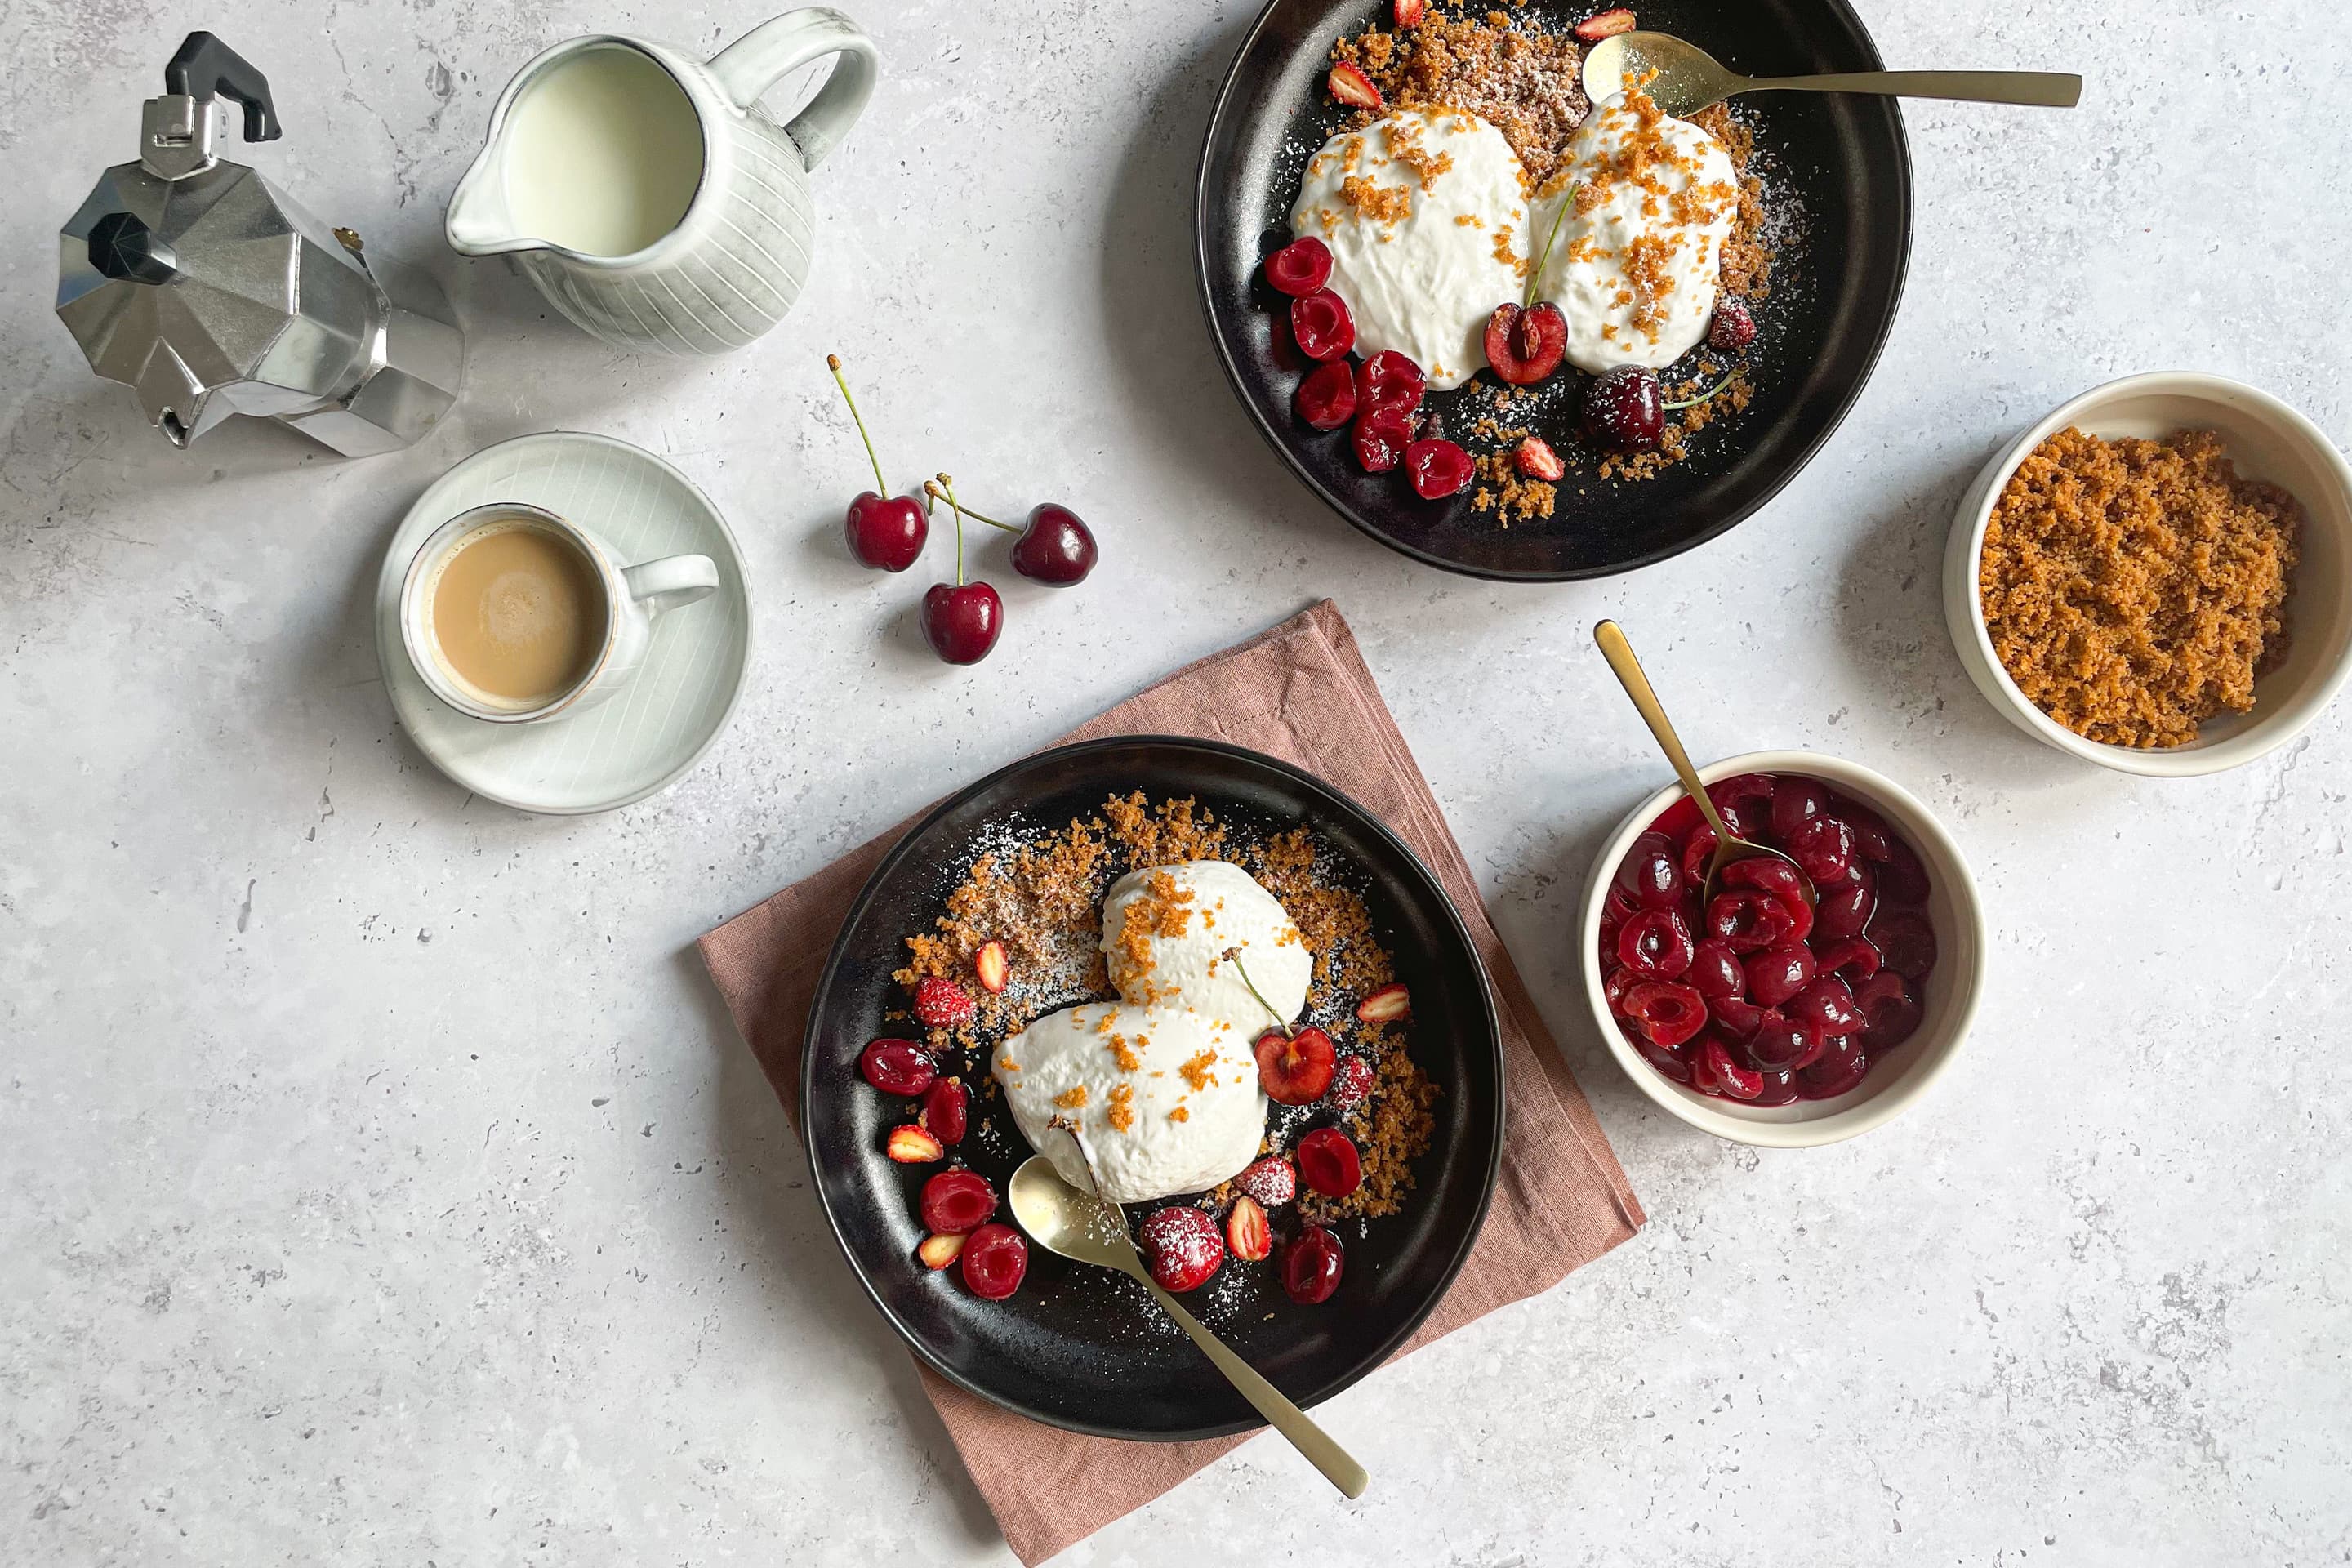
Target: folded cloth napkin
x,y
1300,692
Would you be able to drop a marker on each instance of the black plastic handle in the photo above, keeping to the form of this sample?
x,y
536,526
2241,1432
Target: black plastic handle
x,y
206,67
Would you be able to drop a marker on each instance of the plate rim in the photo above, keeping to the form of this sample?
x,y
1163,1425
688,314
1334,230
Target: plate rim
x,y
1373,1360
389,647
1263,426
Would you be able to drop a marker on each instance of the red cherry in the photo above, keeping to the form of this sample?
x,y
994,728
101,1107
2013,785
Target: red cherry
x,y
1322,324
947,1111
1715,971
1302,267
1329,1164
1380,436
1826,1007
1903,879
897,1066
994,1259
1729,1078
1778,1043
1650,874
1184,1247
1777,974
1055,548
1749,922
1666,1012
1624,409
1889,1010
1295,1069
962,620
1778,1088
1906,944
1673,1063
1439,468
1822,847
1311,1267
1838,1070
1390,379
1657,944
1844,912
1739,1017
1523,346
1852,956
885,532
1326,399
958,1201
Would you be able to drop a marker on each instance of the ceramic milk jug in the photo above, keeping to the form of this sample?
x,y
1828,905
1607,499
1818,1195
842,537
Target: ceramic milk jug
x,y
646,193
211,292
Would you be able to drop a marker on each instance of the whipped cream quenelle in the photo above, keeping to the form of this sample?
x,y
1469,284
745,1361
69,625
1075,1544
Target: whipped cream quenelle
x,y
1163,1084
1636,263
1425,214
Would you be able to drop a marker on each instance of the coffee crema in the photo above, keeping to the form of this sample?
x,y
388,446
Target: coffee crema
x,y
518,613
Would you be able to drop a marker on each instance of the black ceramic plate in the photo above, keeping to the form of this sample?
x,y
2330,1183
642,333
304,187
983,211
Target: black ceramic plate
x,y
1838,163
1083,1348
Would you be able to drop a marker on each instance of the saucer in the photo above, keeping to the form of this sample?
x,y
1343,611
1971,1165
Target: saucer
x,y
648,736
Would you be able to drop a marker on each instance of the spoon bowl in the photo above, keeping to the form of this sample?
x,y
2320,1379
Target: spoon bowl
x,y
1082,1227
1688,78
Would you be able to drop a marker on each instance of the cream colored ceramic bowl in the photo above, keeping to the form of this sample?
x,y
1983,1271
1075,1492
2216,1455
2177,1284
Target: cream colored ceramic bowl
x,y
1953,986
2268,440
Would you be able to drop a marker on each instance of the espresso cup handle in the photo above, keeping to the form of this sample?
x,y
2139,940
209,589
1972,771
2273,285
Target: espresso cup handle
x,y
671,583
755,62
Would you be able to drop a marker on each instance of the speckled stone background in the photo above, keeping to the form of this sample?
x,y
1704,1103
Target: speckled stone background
x,y
380,1182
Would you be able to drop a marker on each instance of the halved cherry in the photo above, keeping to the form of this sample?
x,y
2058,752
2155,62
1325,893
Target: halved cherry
x,y
1890,1014
1851,956
1295,1069
1906,942
1380,436
1657,944
1329,1164
1667,1013
947,1108
1390,379
1300,268
1731,1079
1749,922
897,1066
1326,399
1311,1265
958,1202
994,1259
1438,468
1322,324
1523,346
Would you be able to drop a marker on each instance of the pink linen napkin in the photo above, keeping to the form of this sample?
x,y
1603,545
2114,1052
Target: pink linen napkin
x,y
1300,692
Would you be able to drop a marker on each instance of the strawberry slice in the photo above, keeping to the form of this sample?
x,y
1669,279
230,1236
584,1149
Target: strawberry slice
x,y
938,1251
1605,25
1351,86
911,1145
1535,458
1247,1236
1387,1005
1409,13
990,965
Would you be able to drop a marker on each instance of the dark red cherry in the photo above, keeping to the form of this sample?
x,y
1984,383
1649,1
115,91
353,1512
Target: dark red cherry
x,y
1672,1063
1326,399
1380,437
1890,1013
1311,1265
1656,944
1739,1016
1906,942
1852,956
962,621
1826,1007
1837,1070
1779,1089
1822,847
1055,548
1731,1079
1903,879
1715,971
1624,410
1780,1043
1795,798
1777,974
1649,874
1750,921
1438,468
1300,268
885,532
1322,324
1390,379
1844,912
1525,346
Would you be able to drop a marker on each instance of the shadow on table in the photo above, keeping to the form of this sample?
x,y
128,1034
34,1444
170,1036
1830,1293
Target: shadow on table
x,y
765,1172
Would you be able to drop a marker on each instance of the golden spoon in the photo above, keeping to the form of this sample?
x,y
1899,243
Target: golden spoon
x,y
1081,1227
1689,79
1728,848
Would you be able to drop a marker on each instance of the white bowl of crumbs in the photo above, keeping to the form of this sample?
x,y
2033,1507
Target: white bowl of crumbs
x,y
2157,577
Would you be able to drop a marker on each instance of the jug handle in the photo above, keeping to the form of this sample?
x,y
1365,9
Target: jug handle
x,y
748,67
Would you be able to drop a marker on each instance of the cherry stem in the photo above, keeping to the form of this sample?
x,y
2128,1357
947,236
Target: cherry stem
x,y
1702,397
832,364
1536,272
931,493
1232,956
947,485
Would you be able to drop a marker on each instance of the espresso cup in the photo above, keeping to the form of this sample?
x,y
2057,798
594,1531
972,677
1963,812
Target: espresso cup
x,y
558,605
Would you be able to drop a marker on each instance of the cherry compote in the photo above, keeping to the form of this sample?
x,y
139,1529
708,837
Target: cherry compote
x,y
1755,995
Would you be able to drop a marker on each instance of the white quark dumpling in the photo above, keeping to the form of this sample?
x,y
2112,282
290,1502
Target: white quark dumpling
x,y
1635,265
1186,917
1187,1114
1163,1085
1425,214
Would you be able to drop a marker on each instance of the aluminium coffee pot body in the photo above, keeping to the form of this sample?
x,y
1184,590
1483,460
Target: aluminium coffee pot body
x,y
210,291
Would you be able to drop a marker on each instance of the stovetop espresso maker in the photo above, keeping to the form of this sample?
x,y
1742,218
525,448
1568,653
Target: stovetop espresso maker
x,y
208,289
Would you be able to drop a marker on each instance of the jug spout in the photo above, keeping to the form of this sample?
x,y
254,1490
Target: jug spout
x,y
480,221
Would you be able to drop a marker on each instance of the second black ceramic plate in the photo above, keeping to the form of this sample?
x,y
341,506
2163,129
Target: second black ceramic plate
x,y
1837,169
1083,1348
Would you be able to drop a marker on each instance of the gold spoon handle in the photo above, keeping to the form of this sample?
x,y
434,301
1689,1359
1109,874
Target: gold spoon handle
x,y
1280,1414
2040,90
1628,671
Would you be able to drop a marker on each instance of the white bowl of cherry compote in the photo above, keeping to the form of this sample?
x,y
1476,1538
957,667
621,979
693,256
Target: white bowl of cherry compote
x,y
1761,1018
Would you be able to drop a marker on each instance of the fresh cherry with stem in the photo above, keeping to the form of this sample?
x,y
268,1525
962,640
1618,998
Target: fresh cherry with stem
x,y
1055,548
883,530
962,620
